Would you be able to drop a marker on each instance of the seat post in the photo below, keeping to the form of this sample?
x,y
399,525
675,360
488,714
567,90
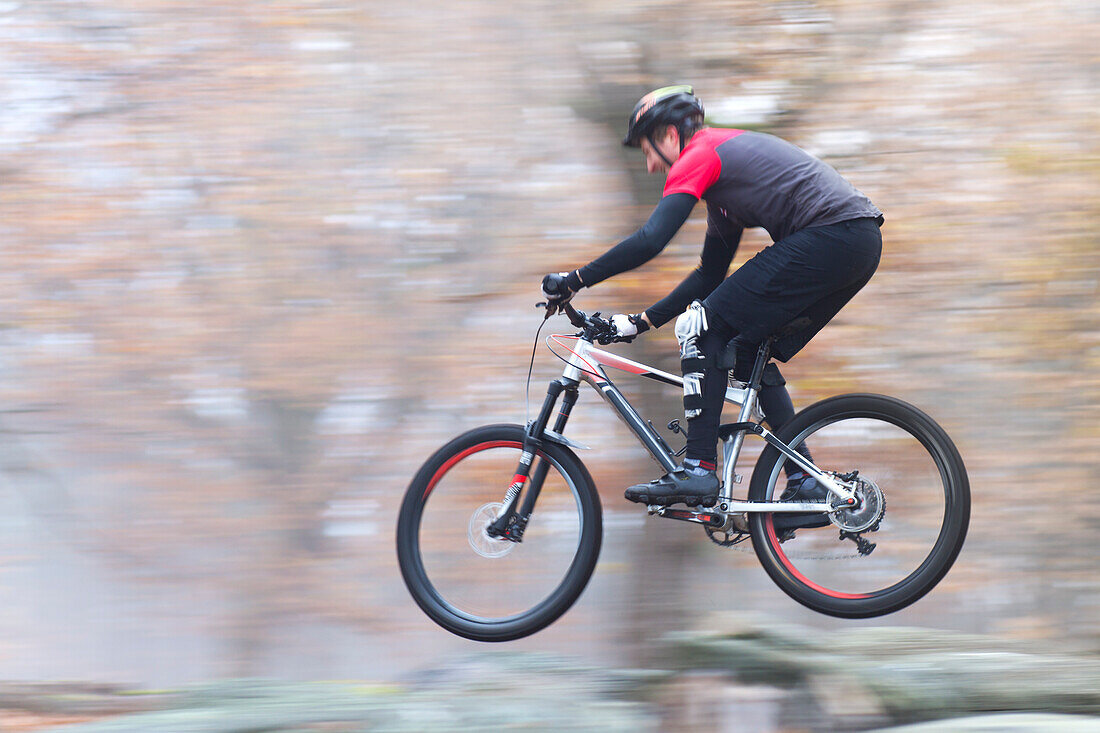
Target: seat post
x,y
731,450
763,354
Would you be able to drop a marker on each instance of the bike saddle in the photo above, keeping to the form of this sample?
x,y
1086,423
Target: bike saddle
x,y
728,357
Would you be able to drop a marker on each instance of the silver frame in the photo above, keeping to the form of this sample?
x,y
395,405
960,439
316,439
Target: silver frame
x,y
588,363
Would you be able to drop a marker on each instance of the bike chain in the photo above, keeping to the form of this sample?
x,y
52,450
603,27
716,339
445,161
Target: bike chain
x,y
739,538
797,555
864,547
862,543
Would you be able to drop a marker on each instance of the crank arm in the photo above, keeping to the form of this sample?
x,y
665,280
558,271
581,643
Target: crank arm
x,y
713,519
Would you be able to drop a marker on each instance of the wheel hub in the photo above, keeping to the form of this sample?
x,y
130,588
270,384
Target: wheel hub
x,y
866,513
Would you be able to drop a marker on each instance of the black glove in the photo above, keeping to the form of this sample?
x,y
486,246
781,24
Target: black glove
x,y
558,288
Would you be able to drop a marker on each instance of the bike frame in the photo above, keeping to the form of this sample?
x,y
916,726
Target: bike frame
x,y
589,364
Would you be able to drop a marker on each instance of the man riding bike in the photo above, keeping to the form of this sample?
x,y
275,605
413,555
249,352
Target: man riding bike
x,y
826,245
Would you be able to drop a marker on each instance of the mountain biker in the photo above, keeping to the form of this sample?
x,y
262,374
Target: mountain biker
x,y
826,245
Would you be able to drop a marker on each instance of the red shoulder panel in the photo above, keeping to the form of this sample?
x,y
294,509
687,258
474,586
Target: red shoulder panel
x,y
698,166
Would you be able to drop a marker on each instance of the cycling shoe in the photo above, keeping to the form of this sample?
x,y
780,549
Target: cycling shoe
x,y
802,487
677,487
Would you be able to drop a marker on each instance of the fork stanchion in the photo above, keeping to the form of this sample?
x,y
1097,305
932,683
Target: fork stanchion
x,y
534,486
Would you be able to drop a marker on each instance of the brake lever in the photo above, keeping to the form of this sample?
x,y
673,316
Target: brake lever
x,y
607,333
613,338
562,308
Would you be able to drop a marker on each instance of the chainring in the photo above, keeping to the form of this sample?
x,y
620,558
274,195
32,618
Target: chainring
x,y
725,538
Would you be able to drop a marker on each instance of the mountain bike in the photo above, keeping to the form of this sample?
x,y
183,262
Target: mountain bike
x,y
500,529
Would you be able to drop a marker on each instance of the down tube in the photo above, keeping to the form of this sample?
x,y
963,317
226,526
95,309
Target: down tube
x,y
634,421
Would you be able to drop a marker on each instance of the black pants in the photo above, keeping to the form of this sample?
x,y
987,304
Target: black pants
x,y
811,274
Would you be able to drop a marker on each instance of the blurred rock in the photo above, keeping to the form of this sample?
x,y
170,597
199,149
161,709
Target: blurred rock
x,y
889,677
906,674
483,692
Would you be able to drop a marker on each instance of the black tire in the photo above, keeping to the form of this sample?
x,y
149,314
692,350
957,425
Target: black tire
x,y
923,488
455,574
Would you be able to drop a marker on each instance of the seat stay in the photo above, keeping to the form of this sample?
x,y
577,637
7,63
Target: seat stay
x,y
835,487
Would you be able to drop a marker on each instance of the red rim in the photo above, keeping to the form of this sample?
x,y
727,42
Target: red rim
x,y
773,541
449,464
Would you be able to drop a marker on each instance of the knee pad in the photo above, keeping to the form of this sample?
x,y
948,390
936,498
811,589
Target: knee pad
x,y
690,325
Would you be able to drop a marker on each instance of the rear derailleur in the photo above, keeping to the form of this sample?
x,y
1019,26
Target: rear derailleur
x,y
863,547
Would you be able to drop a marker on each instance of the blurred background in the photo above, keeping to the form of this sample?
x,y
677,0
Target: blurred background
x,y
261,258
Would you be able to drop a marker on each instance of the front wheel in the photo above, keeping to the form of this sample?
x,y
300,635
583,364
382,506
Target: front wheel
x,y
482,587
907,529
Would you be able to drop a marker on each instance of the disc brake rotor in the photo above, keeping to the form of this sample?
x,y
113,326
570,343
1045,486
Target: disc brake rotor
x,y
480,540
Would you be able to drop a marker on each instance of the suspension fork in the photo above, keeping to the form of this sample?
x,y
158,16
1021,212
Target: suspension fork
x,y
534,486
511,523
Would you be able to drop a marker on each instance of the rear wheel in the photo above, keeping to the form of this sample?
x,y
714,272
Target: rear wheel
x,y
907,528
479,586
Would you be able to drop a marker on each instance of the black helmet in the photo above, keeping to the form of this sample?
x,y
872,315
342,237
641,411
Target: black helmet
x,y
673,105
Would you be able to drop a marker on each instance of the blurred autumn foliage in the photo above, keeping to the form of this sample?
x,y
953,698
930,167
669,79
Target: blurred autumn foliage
x,y
262,257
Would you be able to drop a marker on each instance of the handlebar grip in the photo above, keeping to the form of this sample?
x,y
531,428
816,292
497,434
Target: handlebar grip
x,y
598,329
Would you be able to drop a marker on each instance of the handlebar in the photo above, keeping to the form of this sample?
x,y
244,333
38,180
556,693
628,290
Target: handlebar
x,y
593,328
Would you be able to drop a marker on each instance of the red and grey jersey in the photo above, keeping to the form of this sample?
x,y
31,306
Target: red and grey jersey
x,y
757,180
748,179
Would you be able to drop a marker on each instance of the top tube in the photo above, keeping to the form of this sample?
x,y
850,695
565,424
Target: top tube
x,y
587,362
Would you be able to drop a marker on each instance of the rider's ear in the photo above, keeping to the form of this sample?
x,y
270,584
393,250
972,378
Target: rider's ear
x,y
672,134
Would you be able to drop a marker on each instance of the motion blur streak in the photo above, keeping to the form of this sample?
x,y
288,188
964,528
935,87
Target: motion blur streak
x,y
261,258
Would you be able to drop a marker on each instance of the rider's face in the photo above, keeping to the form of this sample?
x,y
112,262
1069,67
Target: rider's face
x,y
669,144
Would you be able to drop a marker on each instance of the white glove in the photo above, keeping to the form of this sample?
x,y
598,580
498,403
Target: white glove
x,y
629,325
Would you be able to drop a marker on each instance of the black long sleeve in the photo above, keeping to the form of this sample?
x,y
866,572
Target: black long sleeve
x,y
643,245
719,247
